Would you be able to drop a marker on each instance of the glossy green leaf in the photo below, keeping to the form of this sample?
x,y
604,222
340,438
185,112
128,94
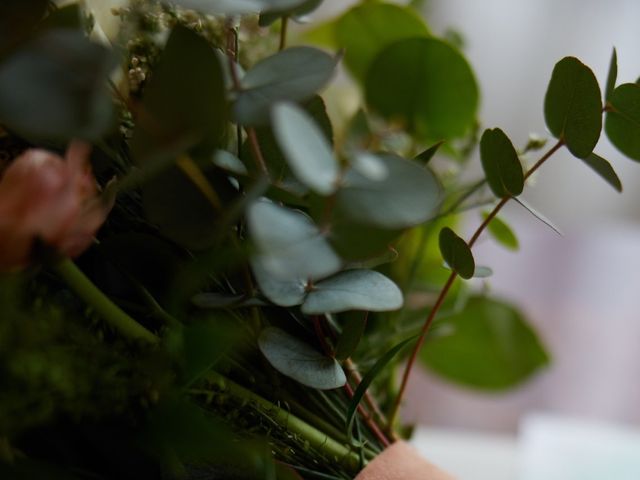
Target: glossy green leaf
x,y
612,76
406,196
573,106
501,164
502,232
353,290
185,99
369,377
366,29
425,83
603,168
289,245
352,332
491,347
425,156
623,120
42,95
294,74
285,293
296,359
456,253
307,151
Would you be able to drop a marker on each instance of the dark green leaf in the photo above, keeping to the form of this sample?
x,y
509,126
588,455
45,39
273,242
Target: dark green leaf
x,y
352,331
299,9
502,232
573,106
426,156
406,196
356,241
185,99
305,148
612,76
491,347
353,290
456,253
501,163
623,120
427,84
603,168
369,377
294,74
366,29
294,358
289,245
55,87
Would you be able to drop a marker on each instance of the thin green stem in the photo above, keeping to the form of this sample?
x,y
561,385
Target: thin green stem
x,y
101,304
316,439
447,286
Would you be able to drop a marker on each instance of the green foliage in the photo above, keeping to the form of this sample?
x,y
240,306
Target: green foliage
x,y
456,253
573,106
502,232
623,119
603,168
501,164
612,76
366,29
490,347
436,95
295,359
352,332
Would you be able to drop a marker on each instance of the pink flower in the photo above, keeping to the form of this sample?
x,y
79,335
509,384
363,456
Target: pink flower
x,y
44,196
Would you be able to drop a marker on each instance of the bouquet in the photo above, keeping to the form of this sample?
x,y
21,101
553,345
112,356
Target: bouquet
x,y
208,273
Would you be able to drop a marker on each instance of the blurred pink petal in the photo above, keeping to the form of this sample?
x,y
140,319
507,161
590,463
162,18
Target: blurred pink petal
x,y
46,197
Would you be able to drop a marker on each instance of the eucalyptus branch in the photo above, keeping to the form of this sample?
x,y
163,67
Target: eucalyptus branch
x,y
447,286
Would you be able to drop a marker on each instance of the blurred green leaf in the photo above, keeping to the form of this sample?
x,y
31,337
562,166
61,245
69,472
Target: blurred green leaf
x,y
294,74
603,168
222,7
611,76
623,120
55,87
68,16
185,99
573,106
366,29
408,195
427,84
295,9
294,358
501,164
456,253
482,272
502,232
289,245
353,290
356,241
491,347
354,326
305,148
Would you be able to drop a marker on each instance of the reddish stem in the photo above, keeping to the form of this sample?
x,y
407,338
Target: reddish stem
x,y
377,432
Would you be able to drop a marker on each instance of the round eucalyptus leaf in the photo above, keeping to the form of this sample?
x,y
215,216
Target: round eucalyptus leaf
x,y
407,195
501,164
456,253
289,245
366,29
573,106
55,87
623,120
285,293
306,150
294,74
353,290
295,9
296,359
490,347
427,84
603,168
